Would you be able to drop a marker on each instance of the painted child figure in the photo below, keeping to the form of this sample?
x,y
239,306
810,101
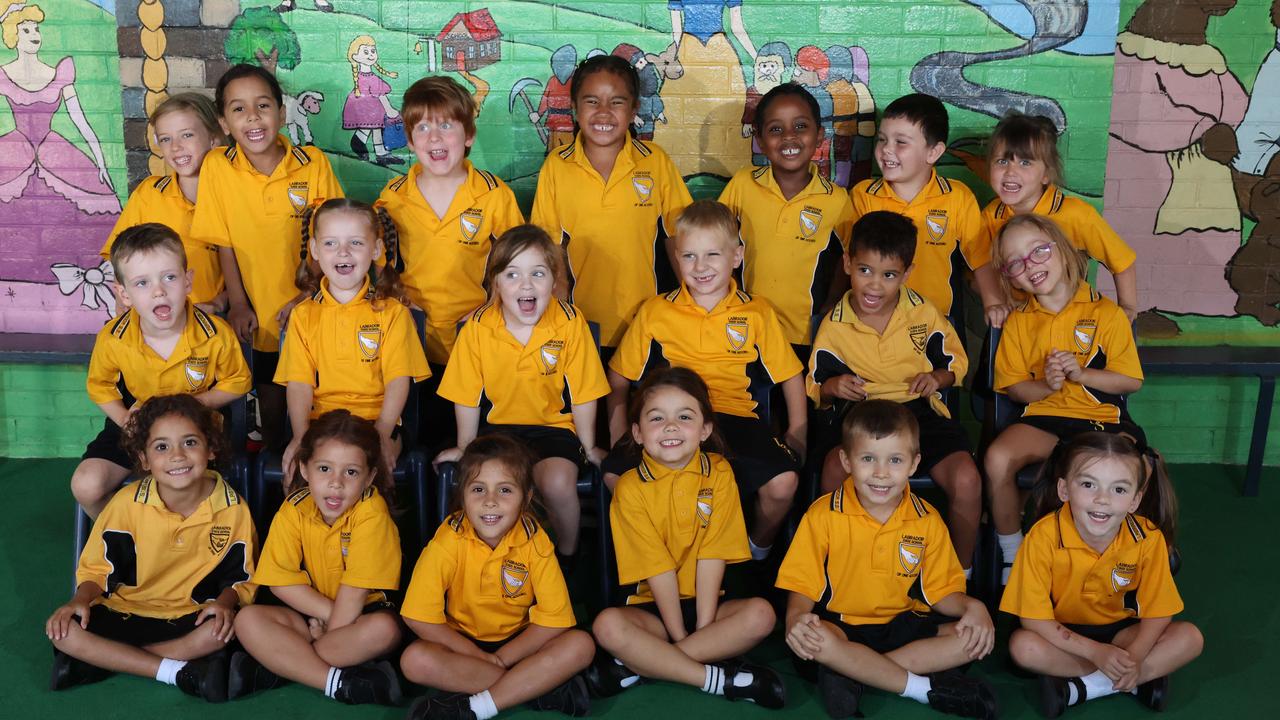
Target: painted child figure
x,y
489,606
894,613
1092,587
166,566
162,344
676,523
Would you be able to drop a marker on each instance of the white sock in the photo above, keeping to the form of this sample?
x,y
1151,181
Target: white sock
x,y
968,574
714,684
1097,684
168,672
757,552
331,682
482,705
918,687
1009,545
630,680
742,678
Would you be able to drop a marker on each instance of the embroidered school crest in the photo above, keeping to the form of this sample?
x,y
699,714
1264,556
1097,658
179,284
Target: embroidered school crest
x,y
370,339
469,223
936,223
918,334
549,355
298,194
1083,334
643,185
909,555
1122,576
514,575
704,505
736,330
344,539
810,220
196,369
219,536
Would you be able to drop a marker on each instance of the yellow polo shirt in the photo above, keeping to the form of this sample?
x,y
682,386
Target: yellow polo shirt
x,y
260,217
158,199
918,339
792,248
666,519
361,549
349,353
871,572
1082,225
1093,328
614,230
537,383
1057,576
946,215
151,561
207,357
739,348
488,593
444,257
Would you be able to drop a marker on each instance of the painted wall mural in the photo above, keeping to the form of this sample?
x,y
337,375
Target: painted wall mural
x,y
1181,149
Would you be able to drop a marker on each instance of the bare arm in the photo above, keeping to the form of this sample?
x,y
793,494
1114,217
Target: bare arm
x,y
468,420
1127,290
1029,391
305,599
994,303
529,641
346,607
115,410
239,312
298,397
666,595
584,422
797,413
616,405
394,396
707,582
217,398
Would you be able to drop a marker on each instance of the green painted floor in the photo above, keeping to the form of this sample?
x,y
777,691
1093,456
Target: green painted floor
x,y
1230,559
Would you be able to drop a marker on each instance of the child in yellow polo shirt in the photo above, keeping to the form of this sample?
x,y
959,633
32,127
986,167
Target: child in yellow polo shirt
x,y
161,345
167,563
1092,587
251,200
488,602
352,344
1067,353
888,342
909,142
1025,172
881,562
331,556
526,365
185,128
676,523
795,223
610,200
737,345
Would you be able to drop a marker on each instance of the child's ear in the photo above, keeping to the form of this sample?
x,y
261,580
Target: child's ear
x,y
915,463
1137,500
848,264
845,462
191,278
706,432
1062,490
226,131
121,295
737,254
935,152
907,273
635,434
470,140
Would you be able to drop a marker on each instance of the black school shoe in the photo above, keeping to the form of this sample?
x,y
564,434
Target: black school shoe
x,y
765,689
958,694
246,676
205,677
1055,694
605,677
570,698
369,683
840,695
68,672
444,706
1155,693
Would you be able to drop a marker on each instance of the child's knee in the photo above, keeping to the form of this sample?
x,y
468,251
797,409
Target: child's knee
x,y
609,628
381,628
89,485
1189,636
966,483
782,488
758,616
579,648
1026,648
419,663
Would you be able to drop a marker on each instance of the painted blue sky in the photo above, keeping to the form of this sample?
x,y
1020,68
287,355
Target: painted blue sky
x,y
1098,38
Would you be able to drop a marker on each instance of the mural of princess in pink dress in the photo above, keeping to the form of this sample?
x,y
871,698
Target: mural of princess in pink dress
x,y
49,183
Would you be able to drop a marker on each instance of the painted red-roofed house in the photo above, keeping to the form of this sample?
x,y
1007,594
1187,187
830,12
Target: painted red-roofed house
x,y
470,41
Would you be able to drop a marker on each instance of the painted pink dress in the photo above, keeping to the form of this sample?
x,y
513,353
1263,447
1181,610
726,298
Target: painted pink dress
x,y
1175,207
365,111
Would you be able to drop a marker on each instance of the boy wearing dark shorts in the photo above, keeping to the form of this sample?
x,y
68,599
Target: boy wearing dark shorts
x,y
885,341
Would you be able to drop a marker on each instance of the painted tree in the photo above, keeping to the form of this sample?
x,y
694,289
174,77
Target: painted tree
x,y
260,36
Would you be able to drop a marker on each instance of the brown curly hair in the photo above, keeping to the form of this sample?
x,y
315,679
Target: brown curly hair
x,y
513,455
342,426
137,431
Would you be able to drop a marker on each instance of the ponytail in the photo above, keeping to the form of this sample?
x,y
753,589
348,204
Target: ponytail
x,y
388,285
307,276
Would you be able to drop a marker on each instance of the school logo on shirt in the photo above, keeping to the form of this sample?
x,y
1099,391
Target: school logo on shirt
x,y
219,536
704,505
910,552
549,355
370,339
736,329
469,223
513,576
810,221
936,223
1122,576
298,194
918,334
196,369
643,185
1083,334
344,539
